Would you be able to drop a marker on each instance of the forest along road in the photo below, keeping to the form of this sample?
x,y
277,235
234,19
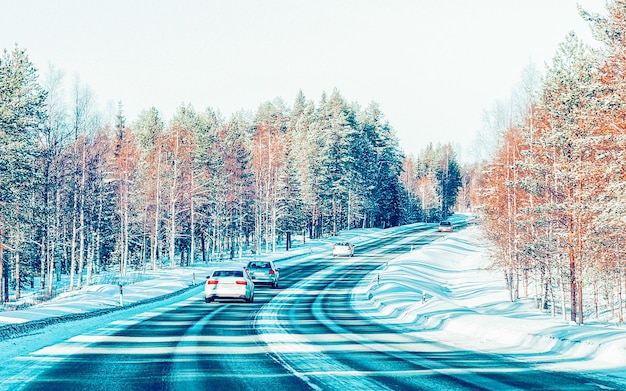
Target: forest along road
x,y
305,335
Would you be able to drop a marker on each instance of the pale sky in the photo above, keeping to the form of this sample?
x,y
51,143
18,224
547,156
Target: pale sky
x,y
433,66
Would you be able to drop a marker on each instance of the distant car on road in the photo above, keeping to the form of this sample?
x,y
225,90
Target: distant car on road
x,y
229,283
445,226
343,249
264,272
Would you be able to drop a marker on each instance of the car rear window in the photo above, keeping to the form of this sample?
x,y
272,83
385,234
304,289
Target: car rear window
x,y
260,265
228,273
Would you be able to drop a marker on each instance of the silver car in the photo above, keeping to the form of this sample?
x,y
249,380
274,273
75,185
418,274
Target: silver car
x,y
264,272
445,226
229,283
343,249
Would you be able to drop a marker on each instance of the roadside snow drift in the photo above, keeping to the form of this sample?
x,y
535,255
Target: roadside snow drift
x,y
447,289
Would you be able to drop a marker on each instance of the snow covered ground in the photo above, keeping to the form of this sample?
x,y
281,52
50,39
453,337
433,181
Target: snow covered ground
x,y
445,290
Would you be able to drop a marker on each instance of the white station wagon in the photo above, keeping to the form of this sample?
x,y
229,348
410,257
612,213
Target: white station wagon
x,y
229,283
343,249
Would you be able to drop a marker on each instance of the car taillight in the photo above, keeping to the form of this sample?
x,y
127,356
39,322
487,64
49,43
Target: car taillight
x,y
211,282
271,271
241,282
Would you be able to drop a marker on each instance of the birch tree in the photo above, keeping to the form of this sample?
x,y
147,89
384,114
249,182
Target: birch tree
x,y
124,170
83,122
267,161
52,139
150,132
179,145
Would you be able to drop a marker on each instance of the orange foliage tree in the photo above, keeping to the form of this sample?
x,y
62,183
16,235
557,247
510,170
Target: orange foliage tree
x,y
557,189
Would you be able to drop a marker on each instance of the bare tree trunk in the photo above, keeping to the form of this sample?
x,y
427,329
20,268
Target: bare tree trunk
x,y
192,223
51,274
334,207
173,189
241,228
157,213
42,265
596,298
214,237
553,301
621,284
579,263
54,242
580,302
2,297
17,273
124,260
90,259
172,239
573,285
73,244
96,255
563,299
203,247
274,220
81,246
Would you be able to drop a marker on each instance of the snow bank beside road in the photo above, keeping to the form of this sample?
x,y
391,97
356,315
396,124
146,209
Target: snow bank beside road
x,y
446,290
99,299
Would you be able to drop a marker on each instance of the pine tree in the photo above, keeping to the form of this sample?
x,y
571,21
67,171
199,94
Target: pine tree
x,y
301,120
339,133
22,112
567,93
